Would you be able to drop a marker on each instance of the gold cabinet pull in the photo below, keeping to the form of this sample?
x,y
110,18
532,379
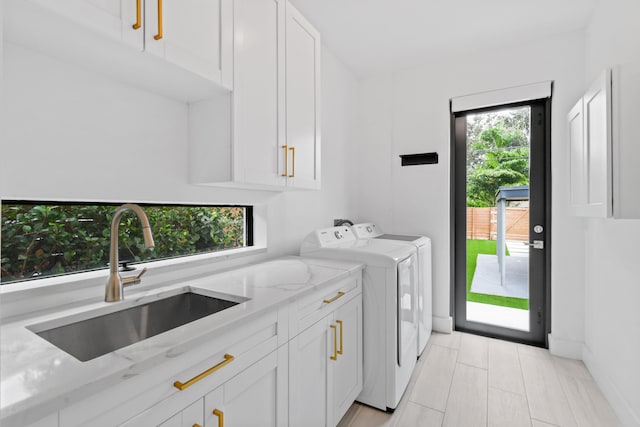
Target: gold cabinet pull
x,y
329,301
159,35
286,159
138,23
181,386
335,342
218,413
293,161
197,425
339,322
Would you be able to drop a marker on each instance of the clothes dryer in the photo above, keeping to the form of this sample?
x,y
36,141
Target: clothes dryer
x,y
389,309
369,230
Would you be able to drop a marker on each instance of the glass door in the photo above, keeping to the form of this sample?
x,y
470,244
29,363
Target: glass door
x,y
500,227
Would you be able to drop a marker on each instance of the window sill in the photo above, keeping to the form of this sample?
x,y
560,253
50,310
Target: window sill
x,y
51,293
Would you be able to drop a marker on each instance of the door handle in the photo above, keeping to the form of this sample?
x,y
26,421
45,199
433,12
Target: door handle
x,y
160,32
293,162
335,342
339,322
536,244
286,160
138,23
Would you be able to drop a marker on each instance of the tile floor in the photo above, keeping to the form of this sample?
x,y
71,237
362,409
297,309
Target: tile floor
x,y
466,380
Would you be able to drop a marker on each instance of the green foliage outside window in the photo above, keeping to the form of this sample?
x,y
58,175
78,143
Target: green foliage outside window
x,y
497,154
41,240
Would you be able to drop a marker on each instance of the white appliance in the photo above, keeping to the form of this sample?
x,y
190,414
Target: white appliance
x,y
369,230
389,309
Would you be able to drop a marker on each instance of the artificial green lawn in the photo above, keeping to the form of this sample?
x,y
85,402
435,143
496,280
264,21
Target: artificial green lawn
x,y
475,247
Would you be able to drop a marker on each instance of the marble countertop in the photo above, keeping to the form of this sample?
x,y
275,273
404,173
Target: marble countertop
x,y
37,378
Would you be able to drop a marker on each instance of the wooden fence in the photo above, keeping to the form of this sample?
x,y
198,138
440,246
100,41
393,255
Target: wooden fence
x,y
482,222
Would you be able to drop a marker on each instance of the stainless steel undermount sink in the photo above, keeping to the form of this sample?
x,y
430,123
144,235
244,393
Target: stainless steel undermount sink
x,y
95,336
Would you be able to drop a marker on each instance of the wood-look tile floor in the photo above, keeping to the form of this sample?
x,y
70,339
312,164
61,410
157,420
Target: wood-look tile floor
x,y
465,380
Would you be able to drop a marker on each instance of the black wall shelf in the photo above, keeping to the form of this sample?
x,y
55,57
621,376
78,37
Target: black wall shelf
x,y
419,159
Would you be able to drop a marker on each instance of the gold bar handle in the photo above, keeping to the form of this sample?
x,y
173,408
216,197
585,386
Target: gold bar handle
x,y
218,413
329,301
197,425
181,386
138,23
335,342
159,35
339,322
293,162
286,160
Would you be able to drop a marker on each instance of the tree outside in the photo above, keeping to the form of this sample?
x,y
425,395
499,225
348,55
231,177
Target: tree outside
x,y
41,240
497,154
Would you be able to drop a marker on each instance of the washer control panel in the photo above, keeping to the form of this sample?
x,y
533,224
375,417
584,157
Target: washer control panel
x,y
329,236
366,230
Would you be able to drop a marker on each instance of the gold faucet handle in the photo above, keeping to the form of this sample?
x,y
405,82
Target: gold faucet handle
x,y
133,280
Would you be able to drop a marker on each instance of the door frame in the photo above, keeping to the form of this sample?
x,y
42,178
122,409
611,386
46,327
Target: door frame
x,y
458,231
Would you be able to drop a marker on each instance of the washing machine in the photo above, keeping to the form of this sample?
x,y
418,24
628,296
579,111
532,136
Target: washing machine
x,y
369,230
389,321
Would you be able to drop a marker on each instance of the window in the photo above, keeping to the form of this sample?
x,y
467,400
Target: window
x,y
42,239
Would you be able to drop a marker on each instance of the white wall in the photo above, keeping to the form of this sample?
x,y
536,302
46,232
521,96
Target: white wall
x,y
408,112
612,315
72,134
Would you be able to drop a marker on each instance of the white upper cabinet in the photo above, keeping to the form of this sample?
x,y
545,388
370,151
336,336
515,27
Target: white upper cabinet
x,y
187,45
577,158
189,33
303,101
590,150
121,20
258,99
273,141
602,150
626,149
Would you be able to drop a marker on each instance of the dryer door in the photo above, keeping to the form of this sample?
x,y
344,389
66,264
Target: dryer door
x,y
406,311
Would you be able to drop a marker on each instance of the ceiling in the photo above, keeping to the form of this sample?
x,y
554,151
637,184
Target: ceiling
x,y
376,36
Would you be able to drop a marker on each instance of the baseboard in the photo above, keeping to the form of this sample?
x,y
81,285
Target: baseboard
x,y
565,348
443,324
626,414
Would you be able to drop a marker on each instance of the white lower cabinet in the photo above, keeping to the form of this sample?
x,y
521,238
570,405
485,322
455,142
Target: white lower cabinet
x,y
251,375
192,416
309,371
50,421
347,373
256,397
325,367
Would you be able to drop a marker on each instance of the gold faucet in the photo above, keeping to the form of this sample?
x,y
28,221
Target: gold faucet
x,y
116,284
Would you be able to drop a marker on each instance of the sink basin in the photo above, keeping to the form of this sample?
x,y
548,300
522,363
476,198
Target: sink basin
x,y
93,337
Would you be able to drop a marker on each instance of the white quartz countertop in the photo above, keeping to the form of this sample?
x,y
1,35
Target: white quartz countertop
x,y
38,378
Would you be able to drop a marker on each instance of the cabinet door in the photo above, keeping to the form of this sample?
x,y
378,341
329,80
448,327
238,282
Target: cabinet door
x,y
302,101
49,421
193,415
186,33
577,159
625,148
597,135
310,366
115,19
258,98
175,421
347,376
255,397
